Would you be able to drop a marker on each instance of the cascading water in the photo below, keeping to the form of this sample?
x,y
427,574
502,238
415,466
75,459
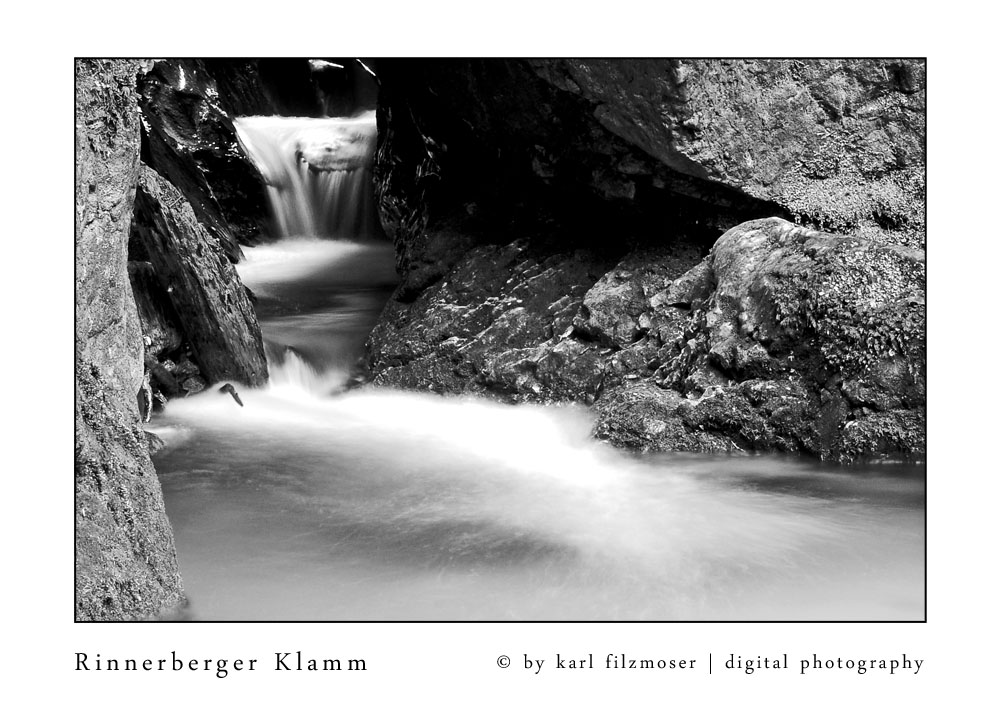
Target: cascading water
x,y
307,504
317,172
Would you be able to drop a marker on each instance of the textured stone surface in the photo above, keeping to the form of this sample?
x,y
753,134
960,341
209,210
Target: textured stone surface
x,y
188,106
806,341
492,324
126,564
125,561
210,302
839,143
659,148
782,338
490,148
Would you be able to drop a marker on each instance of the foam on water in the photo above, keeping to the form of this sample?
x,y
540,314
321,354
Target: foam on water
x,y
475,478
306,503
317,172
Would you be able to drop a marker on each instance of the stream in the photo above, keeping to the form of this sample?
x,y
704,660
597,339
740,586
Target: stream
x,y
311,504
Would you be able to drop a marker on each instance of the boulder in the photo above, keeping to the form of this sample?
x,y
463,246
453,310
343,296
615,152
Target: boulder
x,y
804,341
210,302
188,107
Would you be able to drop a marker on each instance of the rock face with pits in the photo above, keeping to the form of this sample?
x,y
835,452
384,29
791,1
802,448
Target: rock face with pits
x,y
126,564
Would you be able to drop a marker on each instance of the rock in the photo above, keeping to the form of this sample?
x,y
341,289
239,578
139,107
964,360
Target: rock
x,y
160,326
696,284
836,142
627,302
210,302
188,106
836,322
162,380
154,442
893,432
778,339
486,325
822,303
184,369
126,564
664,145
640,416
193,385
447,162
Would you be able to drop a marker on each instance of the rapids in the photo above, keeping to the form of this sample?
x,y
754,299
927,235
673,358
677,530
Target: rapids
x,y
311,504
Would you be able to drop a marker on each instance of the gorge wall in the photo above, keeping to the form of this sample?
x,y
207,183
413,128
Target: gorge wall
x,y
160,309
558,224
126,566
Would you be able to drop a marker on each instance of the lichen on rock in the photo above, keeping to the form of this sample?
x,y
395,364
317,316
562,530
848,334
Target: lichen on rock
x,y
126,566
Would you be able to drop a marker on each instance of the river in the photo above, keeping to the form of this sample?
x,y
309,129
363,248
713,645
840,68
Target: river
x,y
311,504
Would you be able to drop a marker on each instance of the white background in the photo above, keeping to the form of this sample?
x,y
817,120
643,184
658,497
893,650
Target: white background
x,y
459,660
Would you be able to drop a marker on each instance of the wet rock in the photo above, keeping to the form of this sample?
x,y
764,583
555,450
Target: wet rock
x,y
188,106
643,417
835,322
154,442
479,327
893,432
193,385
162,380
210,302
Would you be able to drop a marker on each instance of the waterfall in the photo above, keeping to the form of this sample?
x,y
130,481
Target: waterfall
x,y
315,286
317,171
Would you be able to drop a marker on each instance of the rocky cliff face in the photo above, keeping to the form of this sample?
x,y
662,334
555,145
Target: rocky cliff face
x,y
126,565
551,218
202,295
161,311
839,144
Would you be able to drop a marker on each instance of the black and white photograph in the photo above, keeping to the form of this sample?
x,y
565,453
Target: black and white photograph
x,y
500,339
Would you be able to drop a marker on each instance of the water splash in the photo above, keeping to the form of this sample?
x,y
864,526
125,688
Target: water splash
x,y
317,171
407,505
316,301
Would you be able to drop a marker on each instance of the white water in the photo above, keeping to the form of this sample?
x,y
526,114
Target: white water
x,y
317,172
389,505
